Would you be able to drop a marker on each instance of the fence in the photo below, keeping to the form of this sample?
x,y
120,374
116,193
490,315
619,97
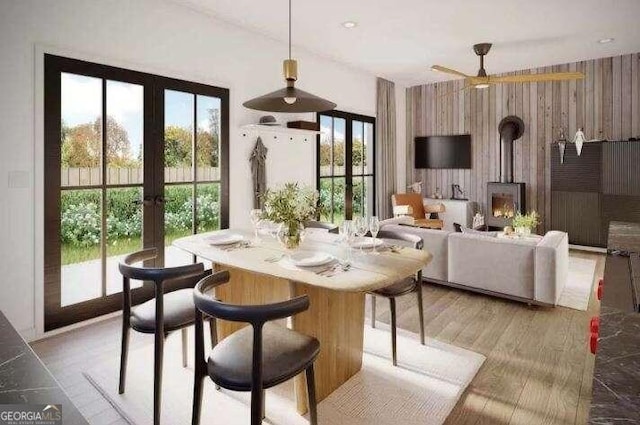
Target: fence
x,y
126,176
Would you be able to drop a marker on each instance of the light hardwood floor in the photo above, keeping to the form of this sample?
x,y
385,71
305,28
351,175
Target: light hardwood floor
x,y
538,368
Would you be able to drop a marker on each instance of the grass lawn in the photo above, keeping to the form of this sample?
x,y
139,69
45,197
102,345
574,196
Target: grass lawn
x,y
76,254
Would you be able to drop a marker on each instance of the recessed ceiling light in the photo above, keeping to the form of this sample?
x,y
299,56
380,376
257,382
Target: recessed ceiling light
x,y
605,40
349,24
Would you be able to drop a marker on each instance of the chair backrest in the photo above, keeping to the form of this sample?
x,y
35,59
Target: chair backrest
x,y
434,208
155,274
412,199
256,315
330,227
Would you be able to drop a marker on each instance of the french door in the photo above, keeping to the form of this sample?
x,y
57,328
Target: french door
x,y
132,161
346,166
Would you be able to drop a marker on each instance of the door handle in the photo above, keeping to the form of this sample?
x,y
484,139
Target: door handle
x,y
146,201
159,200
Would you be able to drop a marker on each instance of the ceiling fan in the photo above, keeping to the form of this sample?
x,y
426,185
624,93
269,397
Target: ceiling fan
x,y
482,80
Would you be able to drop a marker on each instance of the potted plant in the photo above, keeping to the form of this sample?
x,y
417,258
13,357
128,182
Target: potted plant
x,y
290,206
523,223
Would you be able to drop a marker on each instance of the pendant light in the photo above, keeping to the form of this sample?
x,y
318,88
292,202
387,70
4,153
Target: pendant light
x,y
290,98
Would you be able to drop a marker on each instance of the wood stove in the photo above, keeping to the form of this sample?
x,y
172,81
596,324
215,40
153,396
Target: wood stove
x,y
505,198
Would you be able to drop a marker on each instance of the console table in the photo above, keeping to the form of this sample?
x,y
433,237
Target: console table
x,y
456,211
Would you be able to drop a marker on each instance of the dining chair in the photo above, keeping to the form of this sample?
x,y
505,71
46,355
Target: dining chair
x,y
256,357
402,287
170,309
312,224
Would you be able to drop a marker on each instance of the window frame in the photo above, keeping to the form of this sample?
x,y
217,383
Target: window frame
x,y
349,118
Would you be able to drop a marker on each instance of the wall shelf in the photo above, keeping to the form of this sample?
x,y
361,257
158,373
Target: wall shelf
x,y
278,132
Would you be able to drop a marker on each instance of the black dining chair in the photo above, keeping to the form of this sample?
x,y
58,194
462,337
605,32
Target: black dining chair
x,y
256,357
170,309
329,227
402,287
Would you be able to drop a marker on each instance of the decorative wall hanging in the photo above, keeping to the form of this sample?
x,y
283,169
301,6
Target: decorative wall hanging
x,y
258,161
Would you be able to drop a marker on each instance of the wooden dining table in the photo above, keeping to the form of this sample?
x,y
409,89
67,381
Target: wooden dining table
x,y
262,273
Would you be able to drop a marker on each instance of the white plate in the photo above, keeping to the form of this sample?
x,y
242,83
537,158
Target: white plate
x,y
218,240
367,243
311,259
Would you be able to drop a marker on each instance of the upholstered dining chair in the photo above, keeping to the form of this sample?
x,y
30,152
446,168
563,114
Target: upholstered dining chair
x,y
411,284
256,357
170,309
329,227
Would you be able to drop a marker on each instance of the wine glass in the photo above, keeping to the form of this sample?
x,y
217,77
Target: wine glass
x,y
256,217
347,233
374,227
361,228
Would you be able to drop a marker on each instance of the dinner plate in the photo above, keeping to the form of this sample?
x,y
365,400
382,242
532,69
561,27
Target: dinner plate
x,y
218,240
367,243
310,259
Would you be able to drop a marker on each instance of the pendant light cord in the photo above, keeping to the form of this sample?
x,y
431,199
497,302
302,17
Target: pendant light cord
x,y
289,29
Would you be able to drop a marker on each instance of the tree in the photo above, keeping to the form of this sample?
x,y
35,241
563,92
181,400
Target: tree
x,y
82,145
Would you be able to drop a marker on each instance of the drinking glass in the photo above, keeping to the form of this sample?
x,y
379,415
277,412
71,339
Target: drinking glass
x,y
256,217
374,227
347,231
361,228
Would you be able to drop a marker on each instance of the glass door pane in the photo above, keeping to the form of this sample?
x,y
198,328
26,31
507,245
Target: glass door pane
x,y
100,221
192,192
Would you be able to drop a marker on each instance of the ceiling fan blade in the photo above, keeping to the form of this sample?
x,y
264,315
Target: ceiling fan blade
x,y
533,78
448,71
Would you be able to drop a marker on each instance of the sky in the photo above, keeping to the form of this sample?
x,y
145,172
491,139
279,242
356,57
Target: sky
x,y
82,103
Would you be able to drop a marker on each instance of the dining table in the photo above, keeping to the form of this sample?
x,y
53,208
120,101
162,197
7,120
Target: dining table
x,y
263,271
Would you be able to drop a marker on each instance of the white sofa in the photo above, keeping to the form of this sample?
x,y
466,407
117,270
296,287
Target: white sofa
x,y
529,270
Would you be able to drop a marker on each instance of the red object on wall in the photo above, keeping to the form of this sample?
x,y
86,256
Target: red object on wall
x,y
594,325
593,342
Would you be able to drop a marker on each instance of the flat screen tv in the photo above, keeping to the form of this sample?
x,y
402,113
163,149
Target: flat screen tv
x,y
443,151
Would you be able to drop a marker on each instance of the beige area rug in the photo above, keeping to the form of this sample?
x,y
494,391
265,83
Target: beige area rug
x,y
579,286
422,390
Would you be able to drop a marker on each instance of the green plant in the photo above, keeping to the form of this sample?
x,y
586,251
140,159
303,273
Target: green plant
x,y
530,220
290,205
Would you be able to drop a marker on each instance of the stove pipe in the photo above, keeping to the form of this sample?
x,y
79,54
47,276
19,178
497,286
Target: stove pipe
x,y
511,129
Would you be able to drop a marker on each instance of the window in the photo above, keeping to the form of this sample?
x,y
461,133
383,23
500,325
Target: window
x,y
346,166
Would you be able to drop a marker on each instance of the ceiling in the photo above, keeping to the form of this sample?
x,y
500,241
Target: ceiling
x,y
401,39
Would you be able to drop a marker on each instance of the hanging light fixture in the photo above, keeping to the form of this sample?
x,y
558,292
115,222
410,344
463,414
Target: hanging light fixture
x,y
290,98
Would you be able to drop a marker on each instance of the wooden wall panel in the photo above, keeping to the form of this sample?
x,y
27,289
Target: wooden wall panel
x,y
606,104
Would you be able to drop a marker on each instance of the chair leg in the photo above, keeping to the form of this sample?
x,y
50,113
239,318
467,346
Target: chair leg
x,y
311,392
394,357
185,342
257,402
157,376
198,381
213,333
420,313
124,354
264,401
373,311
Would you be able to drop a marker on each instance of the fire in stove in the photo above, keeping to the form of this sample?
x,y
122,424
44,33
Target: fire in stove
x,y
503,206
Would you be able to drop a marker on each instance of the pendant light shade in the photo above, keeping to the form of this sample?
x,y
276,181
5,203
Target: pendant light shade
x,y
290,98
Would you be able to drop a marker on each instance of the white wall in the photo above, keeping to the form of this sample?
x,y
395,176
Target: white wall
x,y
151,36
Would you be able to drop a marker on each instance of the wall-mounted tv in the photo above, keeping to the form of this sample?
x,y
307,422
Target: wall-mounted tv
x,y
443,151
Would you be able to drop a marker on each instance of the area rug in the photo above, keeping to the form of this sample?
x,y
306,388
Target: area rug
x,y
578,289
423,389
